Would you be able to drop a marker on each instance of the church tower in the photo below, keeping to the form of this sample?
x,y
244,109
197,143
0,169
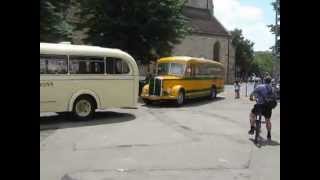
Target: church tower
x,y
201,4
208,39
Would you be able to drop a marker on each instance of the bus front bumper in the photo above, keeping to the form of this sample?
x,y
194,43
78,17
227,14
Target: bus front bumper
x,y
157,98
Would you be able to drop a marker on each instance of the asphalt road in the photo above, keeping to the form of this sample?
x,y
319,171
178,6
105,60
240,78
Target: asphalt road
x,y
202,140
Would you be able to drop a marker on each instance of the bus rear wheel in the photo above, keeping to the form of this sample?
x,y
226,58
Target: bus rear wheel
x,y
83,108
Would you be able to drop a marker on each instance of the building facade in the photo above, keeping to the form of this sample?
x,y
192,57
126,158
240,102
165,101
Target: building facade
x,y
209,38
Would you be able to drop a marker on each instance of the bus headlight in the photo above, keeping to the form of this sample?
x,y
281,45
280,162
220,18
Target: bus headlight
x,y
145,90
168,90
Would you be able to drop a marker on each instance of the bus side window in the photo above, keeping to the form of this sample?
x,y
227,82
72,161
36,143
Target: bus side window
x,y
86,65
196,70
53,64
116,66
203,69
192,70
43,66
188,71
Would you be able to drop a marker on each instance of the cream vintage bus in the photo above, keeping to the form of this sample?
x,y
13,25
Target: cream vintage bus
x,y
81,79
179,78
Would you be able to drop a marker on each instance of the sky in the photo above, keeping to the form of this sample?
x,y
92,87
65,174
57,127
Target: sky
x,y
252,16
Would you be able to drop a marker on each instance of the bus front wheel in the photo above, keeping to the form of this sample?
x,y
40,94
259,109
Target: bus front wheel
x,y
83,108
180,98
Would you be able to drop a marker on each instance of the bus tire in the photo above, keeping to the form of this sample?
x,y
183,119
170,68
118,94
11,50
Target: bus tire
x,y
180,98
213,93
83,108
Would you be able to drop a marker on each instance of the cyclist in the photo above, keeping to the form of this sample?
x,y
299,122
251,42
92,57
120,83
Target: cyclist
x,y
261,92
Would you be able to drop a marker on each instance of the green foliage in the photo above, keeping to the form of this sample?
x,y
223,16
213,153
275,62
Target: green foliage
x,y
275,28
244,51
263,62
146,29
53,24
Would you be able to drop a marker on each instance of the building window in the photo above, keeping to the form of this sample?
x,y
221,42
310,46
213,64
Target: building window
x,y
216,51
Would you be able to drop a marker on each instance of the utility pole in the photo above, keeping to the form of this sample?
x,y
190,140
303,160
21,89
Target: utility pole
x,y
246,84
276,25
276,35
228,60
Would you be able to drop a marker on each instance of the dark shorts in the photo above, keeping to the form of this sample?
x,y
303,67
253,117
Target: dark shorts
x,y
265,111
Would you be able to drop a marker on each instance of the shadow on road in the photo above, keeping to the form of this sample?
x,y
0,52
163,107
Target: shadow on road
x,y
265,142
64,121
188,103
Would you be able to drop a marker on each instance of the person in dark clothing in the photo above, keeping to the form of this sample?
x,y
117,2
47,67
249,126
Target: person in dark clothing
x,y
261,92
237,89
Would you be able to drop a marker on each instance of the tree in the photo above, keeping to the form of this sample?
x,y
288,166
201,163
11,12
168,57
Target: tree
x,y
263,62
275,28
244,51
53,23
145,29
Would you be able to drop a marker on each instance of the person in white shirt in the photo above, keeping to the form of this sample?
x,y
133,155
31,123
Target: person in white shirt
x,y
237,89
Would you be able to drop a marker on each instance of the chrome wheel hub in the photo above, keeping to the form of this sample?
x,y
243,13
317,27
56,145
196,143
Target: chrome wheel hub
x,y
83,108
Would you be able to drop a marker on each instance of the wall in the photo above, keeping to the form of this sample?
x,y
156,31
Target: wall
x,y
202,46
200,3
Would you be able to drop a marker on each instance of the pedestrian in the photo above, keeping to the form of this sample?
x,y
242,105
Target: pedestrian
x,y
237,89
148,77
255,84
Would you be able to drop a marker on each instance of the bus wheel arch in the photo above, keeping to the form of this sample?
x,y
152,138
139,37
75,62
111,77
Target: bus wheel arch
x,y
176,89
82,93
88,96
84,107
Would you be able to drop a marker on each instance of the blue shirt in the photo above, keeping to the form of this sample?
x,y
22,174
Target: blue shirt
x,y
261,92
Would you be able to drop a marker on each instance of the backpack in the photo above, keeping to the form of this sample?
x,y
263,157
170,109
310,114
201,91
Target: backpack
x,y
270,100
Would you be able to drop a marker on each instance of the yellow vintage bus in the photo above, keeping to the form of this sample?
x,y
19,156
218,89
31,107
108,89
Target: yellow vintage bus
x,y
181,77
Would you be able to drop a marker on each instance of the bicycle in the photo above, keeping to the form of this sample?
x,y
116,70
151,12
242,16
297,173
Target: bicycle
x,y
258,126
258,121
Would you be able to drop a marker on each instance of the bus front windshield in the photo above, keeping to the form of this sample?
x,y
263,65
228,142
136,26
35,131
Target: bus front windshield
x,y
171,68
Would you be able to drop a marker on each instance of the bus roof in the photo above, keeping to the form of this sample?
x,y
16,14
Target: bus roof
x,y
69,49
85,50
186,59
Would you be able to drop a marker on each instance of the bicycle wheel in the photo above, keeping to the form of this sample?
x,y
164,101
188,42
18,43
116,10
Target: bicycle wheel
x,y
258,127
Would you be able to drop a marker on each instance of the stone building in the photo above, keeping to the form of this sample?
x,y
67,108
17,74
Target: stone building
x,y
209,39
